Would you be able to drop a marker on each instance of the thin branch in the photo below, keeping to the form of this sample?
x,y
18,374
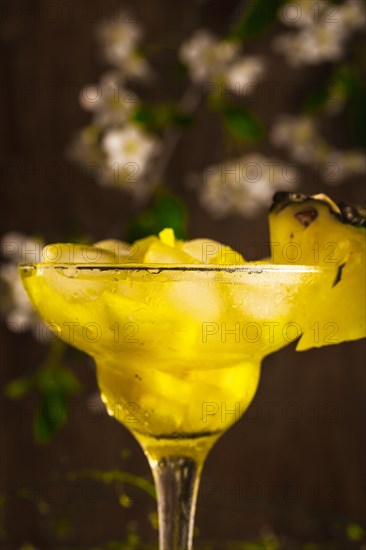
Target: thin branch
x,y
188,104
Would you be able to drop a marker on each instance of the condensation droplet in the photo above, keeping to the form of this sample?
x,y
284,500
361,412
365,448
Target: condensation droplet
x,y
71,272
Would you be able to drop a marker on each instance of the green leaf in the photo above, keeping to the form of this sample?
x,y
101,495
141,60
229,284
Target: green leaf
x,y
50,378
54,383
51,415
358,117
256,17
156,118
355,532
242,123
73,233
180,118
317,99
18,388
347,78
66,380
167,210
350,82
144,116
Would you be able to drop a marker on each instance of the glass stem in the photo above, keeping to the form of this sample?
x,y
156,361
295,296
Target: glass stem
x,y
176,479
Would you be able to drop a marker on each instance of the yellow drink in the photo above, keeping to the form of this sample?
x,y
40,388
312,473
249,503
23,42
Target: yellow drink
x,y
178,348
178,335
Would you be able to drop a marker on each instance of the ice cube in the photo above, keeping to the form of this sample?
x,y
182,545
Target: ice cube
x,y
65,253
200,300
208,251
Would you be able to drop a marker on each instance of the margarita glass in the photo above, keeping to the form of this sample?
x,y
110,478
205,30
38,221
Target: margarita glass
x,y
178,350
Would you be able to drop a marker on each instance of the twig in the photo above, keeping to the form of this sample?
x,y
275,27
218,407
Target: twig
x,y
188,104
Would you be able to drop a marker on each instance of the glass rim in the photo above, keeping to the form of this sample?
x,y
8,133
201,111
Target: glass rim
x,y
250,267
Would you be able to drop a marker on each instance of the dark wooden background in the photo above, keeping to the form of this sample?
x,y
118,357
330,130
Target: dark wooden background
x,y
302,478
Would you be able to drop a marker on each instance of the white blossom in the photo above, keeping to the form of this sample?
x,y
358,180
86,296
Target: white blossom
x,y
336,101
342,164
85,146
206,56
352,14
299,136
129,152
119,39
312,45
109,100
118,156
304,13
322,42
19,248
244,186
323,30
15,304
120,42
136,67
244,71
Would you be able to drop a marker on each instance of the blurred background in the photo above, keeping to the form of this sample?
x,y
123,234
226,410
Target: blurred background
x,y
120,118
